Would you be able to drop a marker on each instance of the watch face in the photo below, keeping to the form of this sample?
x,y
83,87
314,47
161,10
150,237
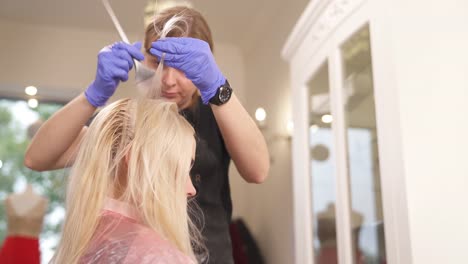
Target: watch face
x,y
224,94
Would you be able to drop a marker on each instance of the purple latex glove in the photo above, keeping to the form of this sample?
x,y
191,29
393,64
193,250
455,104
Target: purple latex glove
x,y
114,63
194,58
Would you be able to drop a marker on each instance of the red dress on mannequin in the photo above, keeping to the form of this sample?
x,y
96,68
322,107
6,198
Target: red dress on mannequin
x,y
25,213
18,249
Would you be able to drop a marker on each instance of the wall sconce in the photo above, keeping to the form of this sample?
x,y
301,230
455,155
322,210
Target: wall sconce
x,y
30,90
327,119
290,128
33,103
314,128
272,137
260,116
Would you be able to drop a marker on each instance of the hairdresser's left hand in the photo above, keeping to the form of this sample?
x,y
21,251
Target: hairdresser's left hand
x,y
195,59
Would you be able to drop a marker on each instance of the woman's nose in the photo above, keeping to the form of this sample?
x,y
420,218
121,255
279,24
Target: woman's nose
x,y
169,77
191,191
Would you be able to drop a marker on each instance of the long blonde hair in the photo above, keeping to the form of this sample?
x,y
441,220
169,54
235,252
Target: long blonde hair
x,y
157,143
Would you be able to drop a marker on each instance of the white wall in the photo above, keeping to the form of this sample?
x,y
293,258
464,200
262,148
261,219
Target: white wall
x,y
268,208
429,51
49,57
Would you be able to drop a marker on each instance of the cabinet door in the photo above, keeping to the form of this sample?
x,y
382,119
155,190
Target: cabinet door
x,y
322,168
357,90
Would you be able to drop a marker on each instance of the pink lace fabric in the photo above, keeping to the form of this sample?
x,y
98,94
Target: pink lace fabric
x,y
121,238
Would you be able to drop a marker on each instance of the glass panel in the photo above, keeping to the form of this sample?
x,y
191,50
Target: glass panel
x,y
363,156
18,123
322,166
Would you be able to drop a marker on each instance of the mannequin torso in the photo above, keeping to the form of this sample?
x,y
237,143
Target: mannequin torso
x,y
25,212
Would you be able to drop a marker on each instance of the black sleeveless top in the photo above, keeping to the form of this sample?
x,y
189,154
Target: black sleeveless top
x,y
210,178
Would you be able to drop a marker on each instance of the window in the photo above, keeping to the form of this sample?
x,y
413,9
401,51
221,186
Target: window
x,y
18,123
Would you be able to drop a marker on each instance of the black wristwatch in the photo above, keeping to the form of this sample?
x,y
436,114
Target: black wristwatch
x,y
223,94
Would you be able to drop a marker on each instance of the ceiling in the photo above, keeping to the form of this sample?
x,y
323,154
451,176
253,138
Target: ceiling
x,y
240,22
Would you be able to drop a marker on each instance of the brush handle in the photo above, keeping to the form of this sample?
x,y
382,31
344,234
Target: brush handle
x,y
116,22
142,72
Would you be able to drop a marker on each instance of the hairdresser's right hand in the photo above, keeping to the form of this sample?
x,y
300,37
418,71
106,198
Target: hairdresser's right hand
x,y
114,64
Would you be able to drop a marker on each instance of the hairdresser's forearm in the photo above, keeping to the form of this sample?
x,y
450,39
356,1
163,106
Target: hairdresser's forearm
x,y
56,140
244,141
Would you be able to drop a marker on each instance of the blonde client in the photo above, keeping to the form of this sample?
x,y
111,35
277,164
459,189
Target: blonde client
x,y
127,194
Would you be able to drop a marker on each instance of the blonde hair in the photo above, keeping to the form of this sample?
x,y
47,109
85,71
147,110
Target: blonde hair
x,y
158,144
178,21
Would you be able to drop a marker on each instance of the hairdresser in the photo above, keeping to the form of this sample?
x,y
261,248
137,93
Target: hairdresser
x,y
192,79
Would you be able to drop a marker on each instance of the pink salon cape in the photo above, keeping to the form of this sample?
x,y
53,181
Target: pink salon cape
x,y
121,238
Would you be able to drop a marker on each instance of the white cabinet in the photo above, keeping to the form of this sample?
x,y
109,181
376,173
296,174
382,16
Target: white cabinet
x,y
379,96
348,207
